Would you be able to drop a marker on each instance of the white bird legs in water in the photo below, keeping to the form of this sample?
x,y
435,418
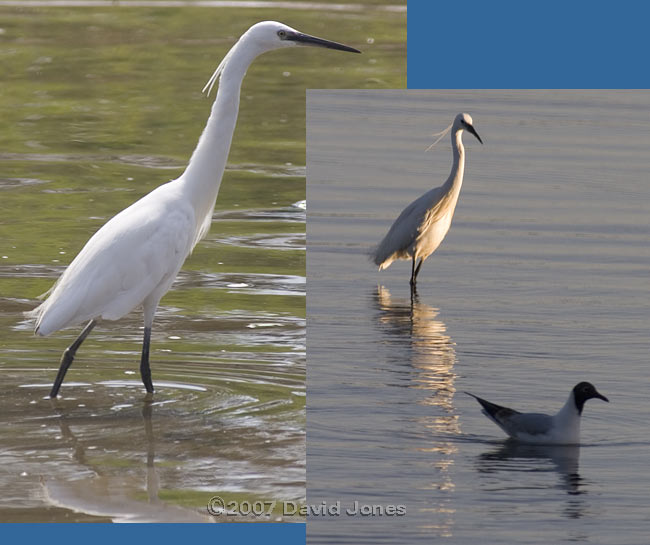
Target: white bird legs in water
x,y
423,224
562,428
134,258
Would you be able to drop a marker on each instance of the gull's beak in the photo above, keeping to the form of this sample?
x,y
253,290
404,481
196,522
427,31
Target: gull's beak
x,y
473,131
600,396
306,39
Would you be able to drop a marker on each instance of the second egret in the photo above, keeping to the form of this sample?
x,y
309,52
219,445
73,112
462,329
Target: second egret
x,y
423,224
134,258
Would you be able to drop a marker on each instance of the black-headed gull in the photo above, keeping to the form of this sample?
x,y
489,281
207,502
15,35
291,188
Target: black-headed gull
x,y
562,428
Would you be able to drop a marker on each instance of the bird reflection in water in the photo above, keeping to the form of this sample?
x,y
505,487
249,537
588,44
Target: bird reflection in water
x,y
430,351
422,342
113,496
512,456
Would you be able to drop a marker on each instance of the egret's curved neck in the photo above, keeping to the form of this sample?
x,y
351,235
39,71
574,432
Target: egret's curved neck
x,y
458,165
202,177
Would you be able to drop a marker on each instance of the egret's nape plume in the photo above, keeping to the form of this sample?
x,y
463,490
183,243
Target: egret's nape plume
x,y
440,136
215,76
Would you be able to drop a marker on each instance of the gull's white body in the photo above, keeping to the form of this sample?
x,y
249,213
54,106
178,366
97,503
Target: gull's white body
x,y
562,428
423,224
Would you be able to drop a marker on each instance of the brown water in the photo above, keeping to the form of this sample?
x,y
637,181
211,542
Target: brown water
x,y
541,282
101,105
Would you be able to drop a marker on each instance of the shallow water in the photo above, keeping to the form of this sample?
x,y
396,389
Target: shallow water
x,y
541,282
101,105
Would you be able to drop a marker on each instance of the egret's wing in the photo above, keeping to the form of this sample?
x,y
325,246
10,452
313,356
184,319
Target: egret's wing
x,y
436,204
134,253
160,250
401,234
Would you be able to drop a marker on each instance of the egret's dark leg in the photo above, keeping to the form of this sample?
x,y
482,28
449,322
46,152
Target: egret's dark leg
x,y
68,357
413,273
145,370
417,269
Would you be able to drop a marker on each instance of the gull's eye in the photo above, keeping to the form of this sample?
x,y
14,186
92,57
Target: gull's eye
x,y
282,34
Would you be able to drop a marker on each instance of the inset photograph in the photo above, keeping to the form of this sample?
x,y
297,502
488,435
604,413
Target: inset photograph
x,y
478,291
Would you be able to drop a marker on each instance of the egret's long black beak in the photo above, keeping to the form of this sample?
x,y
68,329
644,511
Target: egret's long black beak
x,y
306,39
473,131
600,396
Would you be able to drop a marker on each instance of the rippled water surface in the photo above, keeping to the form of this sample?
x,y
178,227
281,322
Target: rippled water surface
x,y
99,106
541,282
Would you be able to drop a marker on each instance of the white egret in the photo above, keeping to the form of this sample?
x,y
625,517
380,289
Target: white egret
x,y
134,258
423,224
561,428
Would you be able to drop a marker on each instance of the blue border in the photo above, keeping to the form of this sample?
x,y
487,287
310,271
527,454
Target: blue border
x,y
507,44
207,534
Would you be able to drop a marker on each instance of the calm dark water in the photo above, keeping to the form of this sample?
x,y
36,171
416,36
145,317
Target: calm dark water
x,y
101,105
541,282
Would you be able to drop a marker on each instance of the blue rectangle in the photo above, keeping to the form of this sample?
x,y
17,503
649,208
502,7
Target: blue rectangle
x,y
473,44
241,533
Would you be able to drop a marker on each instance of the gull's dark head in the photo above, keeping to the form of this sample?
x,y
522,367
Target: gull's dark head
x,y
273,35
584,391
464,122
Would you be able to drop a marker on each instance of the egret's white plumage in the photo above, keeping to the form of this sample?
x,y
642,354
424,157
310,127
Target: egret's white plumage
x,y
134,258
423,224
561,428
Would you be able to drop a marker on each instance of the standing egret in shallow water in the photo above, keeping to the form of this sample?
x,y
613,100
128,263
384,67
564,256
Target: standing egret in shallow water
x,y
423,224
134,258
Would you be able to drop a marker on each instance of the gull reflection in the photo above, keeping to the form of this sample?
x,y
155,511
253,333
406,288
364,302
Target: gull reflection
x,y
417,337
112,496
534,459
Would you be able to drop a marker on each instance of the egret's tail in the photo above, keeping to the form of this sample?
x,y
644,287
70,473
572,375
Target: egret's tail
x,y
35,314
49,317
384,253
376,257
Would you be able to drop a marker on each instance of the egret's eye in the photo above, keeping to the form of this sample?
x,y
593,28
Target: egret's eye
x,y
282,34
